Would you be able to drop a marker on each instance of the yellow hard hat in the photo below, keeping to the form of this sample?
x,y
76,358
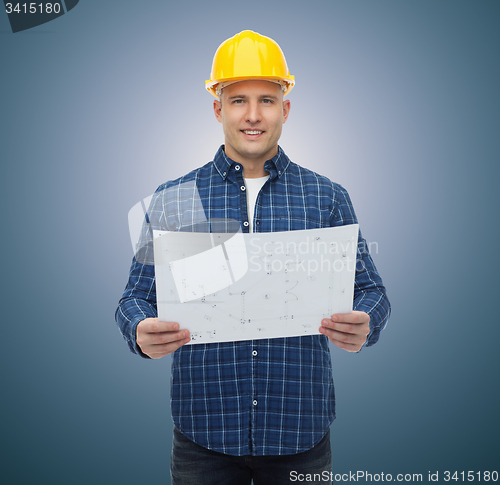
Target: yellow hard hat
x,y
249,55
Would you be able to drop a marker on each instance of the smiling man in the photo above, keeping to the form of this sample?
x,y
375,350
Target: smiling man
x,y
256,410
252,120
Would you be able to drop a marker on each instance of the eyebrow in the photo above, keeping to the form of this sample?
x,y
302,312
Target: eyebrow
x,y
242,96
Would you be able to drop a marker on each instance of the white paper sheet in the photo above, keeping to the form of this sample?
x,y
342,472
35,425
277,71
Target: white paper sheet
x,y
225,287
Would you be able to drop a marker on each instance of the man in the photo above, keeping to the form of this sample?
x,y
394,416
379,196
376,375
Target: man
x,y
257,409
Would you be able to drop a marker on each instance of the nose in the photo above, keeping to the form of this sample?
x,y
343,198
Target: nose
x,y
253,114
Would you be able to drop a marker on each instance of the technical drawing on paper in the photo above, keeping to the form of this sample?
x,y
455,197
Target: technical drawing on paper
x,y
225,287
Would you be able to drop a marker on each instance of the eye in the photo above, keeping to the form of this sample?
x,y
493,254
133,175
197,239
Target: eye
x,y
237,101
267,101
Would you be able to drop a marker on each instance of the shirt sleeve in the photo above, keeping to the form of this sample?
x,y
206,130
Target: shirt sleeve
x,y
138,302
370,295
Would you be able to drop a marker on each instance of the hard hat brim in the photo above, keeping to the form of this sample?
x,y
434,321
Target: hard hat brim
x,y
211,85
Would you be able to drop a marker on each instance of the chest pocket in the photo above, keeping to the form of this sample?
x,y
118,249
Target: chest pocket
x,y
299,220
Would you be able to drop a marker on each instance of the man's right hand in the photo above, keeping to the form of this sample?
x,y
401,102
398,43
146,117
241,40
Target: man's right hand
x,y
157,339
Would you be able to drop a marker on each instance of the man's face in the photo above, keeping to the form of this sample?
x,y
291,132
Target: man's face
x,y
252,114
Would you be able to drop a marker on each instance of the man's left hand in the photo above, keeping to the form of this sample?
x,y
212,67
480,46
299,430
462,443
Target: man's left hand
x,y
347,331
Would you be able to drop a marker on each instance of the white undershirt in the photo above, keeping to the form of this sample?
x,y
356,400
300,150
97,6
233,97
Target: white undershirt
x,y
253,188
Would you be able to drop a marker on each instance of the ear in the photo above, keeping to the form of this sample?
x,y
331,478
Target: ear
x,y
217,110
286,110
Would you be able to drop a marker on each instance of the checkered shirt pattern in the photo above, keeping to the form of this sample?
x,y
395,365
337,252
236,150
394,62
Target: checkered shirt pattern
x,y
257,397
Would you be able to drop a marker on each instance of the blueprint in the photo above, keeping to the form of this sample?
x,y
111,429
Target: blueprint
x,y
234,286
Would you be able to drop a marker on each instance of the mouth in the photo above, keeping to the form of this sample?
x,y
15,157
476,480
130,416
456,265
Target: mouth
x,y
252,134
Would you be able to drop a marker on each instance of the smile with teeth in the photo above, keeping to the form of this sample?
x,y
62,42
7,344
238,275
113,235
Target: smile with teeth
x,y
252,132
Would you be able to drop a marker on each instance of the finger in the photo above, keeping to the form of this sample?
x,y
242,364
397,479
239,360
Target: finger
x,y
340,327
350,328
158,351
148,340
153,325
348,347
355,317
166,337
345,338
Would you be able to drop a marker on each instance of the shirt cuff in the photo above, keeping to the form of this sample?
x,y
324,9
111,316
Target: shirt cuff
x,y
132,338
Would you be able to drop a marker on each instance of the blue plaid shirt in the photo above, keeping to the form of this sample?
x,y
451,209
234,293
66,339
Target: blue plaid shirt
x,y
255,397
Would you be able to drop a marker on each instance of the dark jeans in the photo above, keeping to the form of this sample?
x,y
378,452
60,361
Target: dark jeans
x,y
191,464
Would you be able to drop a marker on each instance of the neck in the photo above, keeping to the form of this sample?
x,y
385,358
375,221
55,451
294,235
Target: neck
x,y
254,171
253,167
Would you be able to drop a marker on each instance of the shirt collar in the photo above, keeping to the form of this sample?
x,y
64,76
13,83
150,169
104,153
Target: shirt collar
x,y
276,166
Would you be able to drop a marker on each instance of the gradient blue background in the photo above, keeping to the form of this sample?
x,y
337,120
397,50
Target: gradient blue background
x,y
396,100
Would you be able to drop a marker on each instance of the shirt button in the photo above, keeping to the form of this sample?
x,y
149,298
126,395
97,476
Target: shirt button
x,y
254,402
258,222
224,174
245,223
237,167
254,353
242,187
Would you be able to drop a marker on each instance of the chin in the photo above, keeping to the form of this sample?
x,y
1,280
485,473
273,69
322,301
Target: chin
x,y
255,155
